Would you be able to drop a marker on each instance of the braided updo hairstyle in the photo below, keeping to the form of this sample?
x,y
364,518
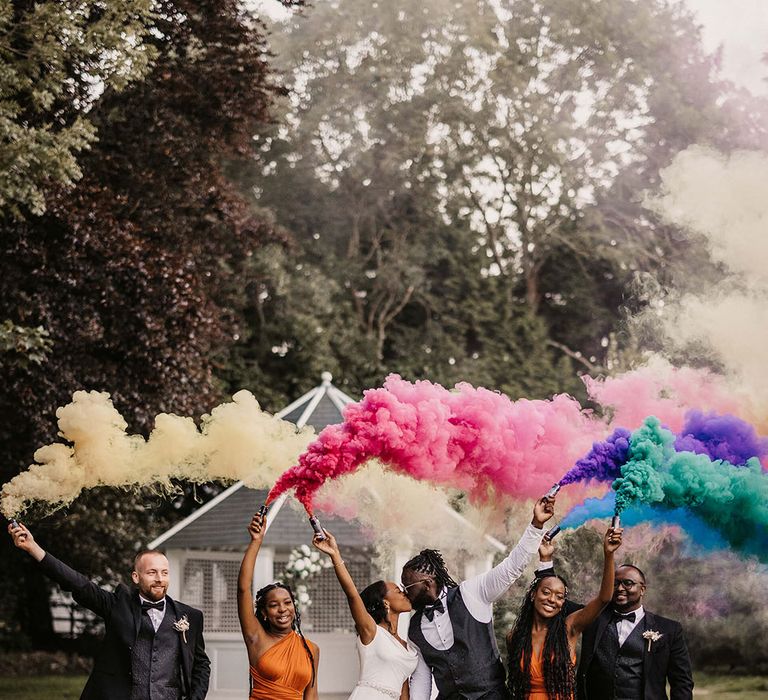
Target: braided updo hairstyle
x,y
431,562
261,606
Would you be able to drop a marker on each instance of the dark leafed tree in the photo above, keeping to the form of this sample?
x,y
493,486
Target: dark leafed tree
x,y
129,271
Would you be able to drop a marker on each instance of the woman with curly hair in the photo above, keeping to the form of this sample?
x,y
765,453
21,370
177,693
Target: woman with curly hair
x,y
386,660
542,645
283,663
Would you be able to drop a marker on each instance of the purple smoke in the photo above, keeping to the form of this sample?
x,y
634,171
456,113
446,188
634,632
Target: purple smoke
x,y
603,462
720,437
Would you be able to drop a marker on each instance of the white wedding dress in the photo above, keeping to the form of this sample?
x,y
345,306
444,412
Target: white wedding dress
x,y
385,664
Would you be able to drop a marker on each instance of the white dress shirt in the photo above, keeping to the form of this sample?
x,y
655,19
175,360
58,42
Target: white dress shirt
x,y
479,594
625,627
155,616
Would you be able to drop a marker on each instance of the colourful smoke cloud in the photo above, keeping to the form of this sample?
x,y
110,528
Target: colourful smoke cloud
x,y
470,438
731,500
237,441
727,438
603,462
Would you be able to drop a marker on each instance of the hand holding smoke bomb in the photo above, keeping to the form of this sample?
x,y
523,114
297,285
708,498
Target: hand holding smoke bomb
x,y
616,522
317,527
553,491
552,533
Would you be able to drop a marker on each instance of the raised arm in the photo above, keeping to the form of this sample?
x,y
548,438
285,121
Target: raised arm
x,y
85,592
253,632
581,619
490,586
364,623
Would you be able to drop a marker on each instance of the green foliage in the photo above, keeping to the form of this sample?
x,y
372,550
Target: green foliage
x,y
55,58
22,345
130,272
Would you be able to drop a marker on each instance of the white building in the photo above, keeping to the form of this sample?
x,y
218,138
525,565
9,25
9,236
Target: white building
x,y
206,548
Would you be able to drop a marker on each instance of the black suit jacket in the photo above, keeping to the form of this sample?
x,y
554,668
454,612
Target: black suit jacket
x,y
121,610
668,659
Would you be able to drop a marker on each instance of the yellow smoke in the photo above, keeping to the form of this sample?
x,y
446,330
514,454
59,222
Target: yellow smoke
x,y
725,199
237,441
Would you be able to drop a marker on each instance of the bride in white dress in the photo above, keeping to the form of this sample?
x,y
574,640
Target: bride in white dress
x,y
386,660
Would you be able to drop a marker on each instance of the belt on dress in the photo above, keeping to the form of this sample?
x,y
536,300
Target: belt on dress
x,y
386,691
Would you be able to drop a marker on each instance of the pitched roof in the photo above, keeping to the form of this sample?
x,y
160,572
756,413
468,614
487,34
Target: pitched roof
x,y
221,523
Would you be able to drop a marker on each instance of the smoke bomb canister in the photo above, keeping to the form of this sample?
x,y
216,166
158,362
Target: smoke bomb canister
x,y
552,533
553,491
14,523
317,527
616,522
262,511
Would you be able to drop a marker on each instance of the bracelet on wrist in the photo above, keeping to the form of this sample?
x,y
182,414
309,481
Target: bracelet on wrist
x,y
338,563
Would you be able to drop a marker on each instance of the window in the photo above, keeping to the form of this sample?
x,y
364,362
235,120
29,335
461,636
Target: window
x,y
211,586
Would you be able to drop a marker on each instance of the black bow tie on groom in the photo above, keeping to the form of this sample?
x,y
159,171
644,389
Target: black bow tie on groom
x,y
145,606
429,611
618,617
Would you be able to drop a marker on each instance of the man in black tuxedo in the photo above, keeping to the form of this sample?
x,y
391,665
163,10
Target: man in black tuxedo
x,y
153,647
629,653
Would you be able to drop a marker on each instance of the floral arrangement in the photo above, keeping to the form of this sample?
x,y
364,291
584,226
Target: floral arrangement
x,y
182,626
652,636
303,564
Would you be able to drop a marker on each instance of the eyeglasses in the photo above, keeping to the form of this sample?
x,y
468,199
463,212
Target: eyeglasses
x,y
627,583
404,589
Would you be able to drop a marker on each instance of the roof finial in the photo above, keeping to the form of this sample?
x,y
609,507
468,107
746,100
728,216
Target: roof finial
x,y
327,378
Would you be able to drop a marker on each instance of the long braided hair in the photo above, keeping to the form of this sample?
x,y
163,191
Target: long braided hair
x,y
558,669
431,562
261,606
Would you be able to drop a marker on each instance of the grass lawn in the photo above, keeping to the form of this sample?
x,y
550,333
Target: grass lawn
x,y
731,687
40,687
717,687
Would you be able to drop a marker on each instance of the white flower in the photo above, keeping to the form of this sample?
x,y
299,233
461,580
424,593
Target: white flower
x,y
299,565
305,549
652,636
182,625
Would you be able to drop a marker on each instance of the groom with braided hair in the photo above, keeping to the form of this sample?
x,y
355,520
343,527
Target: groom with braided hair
x,y
453,623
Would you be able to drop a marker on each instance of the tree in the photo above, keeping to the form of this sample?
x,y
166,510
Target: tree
x,y
129,272
57,58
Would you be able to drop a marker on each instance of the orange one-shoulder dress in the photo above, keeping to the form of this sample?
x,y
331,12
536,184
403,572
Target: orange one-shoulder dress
x,y
282,672
538,689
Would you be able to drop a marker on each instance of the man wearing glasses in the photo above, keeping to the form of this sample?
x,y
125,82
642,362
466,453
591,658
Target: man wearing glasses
x,y
629,653
453,623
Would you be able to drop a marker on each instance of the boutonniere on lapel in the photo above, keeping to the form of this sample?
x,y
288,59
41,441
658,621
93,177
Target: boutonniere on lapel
x,y
652,636
182,626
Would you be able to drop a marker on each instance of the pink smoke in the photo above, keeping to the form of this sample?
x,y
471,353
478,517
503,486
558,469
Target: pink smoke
x,y
663,391
469,438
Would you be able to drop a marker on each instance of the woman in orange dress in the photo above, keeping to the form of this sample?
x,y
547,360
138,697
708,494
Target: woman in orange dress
x,y
542,645
283,663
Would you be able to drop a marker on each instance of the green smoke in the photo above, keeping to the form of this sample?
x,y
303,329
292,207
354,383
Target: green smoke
x,y
733,500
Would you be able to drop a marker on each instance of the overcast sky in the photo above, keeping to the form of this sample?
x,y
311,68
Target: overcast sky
x,y
741,26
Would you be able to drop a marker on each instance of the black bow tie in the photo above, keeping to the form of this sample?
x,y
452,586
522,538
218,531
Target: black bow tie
x,y
430,610
145,606
618,617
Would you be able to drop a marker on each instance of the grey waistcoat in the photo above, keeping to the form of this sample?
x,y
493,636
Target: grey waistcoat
x,y
156,661
617,672
471,669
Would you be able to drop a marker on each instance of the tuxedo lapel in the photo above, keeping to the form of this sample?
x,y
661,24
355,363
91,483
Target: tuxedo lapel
x,y
136,611
602,622
649,623
176,609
